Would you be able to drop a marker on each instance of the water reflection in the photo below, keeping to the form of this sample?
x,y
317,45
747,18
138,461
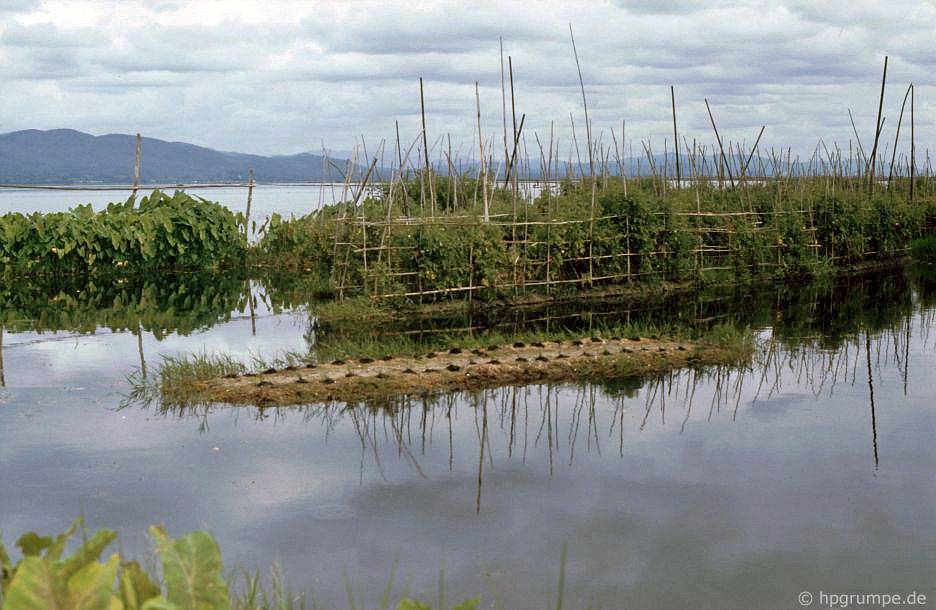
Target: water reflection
x,y
730,487
561,422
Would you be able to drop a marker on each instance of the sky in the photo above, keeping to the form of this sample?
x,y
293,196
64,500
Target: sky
x,y
285,77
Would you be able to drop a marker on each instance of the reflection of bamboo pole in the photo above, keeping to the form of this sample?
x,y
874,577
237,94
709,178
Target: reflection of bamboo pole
x,y
871,396
139,334
906,370
2,378
484,426
250,308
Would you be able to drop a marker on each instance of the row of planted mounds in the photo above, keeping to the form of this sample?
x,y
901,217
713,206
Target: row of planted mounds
x,y
158,232
376,379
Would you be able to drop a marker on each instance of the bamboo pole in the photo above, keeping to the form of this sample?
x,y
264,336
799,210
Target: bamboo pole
x,y
877,129
591,157
405,204
513,115
250,185
903,105
2,374
720,147
503,101
481,175
422,111
675,135
136,165
912,144
513,156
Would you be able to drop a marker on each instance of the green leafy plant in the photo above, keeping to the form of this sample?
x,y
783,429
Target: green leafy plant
x,y
160,232
46,579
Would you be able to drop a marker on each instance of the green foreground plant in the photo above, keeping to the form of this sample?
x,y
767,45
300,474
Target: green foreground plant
x,y
189,577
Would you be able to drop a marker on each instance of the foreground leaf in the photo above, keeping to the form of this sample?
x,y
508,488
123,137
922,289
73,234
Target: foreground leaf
x,y
91,587
34,587
192,571
87,553
6,566
159,603
136,588
32,544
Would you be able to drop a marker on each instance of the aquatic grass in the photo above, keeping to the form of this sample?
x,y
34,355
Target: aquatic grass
x,y
170,382
254,594
737,344
351,309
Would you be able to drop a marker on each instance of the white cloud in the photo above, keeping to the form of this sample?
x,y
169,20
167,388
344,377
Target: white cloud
x,y
280,77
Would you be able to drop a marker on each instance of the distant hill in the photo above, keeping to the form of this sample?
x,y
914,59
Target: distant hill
x,y
66,156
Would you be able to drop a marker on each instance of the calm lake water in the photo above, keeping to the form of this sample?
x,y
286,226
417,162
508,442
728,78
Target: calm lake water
x,y
267,198
812,469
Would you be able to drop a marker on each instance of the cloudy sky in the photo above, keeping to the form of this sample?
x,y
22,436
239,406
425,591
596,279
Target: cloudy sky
x,y
281,77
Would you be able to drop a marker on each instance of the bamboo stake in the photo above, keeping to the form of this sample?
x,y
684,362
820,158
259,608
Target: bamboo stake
x,y
513,115
250,185
912,144
513,156
504,101
720,147
591,157
481,175
422,110
903,105
675,136
136,165
878,127
404,206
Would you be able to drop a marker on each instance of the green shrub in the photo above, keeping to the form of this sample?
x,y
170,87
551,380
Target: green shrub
x,y
162,232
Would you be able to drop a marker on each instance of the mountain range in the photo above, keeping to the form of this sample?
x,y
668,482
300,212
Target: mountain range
x,y
67,156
